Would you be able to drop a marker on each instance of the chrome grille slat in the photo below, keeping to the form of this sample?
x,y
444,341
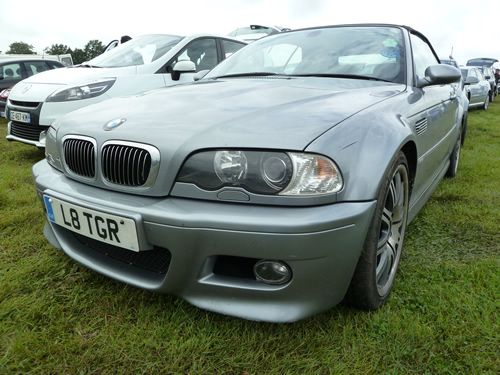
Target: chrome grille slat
x,y
144,160
89,155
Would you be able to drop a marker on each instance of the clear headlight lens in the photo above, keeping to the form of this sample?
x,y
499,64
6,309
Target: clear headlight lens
x,y
277,173
83,91
315,175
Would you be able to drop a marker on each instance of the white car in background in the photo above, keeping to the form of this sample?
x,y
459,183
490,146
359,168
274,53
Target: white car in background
x,y
477,87
142,64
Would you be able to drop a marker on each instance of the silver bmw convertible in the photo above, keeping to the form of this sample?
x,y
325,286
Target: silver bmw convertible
x,y
278,185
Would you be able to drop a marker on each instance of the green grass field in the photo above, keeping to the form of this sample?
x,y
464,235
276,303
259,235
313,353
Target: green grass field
x,y
57,317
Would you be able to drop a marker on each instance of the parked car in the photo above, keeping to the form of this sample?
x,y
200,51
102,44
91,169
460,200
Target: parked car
x,y
476,86
4,94
272,189
460,84
497,79
481,61
489,76
143,63
450,61
15,70
65,58
253,32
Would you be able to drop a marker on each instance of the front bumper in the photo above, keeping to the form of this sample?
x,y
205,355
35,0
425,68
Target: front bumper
x,y
198,244
42,115
30,135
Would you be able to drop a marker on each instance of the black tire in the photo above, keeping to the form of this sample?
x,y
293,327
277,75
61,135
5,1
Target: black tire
x,y
464,127
455,157
376,270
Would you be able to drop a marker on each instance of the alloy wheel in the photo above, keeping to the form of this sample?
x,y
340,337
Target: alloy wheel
x,y
392,230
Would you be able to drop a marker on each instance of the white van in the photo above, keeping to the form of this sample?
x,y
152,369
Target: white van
x,y
143,63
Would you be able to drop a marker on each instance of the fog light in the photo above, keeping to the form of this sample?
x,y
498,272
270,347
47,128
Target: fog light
x,y
272,272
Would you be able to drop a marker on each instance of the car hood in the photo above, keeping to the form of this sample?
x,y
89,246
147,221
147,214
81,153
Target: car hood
x,y
39,86
278,113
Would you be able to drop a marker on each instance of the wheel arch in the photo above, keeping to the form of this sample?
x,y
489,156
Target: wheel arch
x,y
409,149
365,152
465,119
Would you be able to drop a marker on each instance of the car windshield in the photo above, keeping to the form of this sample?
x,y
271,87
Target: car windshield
x,y
351,52
137,51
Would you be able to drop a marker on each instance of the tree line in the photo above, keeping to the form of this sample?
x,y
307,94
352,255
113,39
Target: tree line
x,y
92,49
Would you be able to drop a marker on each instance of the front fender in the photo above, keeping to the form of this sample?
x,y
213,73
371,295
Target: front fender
x,y
363,147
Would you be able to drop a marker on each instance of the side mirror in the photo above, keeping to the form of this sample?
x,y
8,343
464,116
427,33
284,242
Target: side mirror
x,y
487,77
200,74
471,81
440,74
183,66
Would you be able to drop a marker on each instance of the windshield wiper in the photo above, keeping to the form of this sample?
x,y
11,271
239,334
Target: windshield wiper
x,y
352,76
253,74
288,76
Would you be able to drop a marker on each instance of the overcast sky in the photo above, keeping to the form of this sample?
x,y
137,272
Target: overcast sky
x,y
472,29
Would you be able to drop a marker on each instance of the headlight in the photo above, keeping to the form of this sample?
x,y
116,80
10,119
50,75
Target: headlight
x,y
83,91
277,173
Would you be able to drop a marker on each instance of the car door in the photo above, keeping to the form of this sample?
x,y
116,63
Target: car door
x,y
35,67
435,123
202,52
10,74
484,84
228,47
205,53
476,89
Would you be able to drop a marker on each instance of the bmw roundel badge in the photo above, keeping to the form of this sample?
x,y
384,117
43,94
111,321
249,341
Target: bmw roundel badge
x,y
114,123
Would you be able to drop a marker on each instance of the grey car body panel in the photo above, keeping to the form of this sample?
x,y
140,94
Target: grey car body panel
x,y
361,125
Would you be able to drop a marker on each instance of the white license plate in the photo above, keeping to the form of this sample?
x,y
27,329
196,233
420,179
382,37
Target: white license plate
x,y
111,229
20,116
